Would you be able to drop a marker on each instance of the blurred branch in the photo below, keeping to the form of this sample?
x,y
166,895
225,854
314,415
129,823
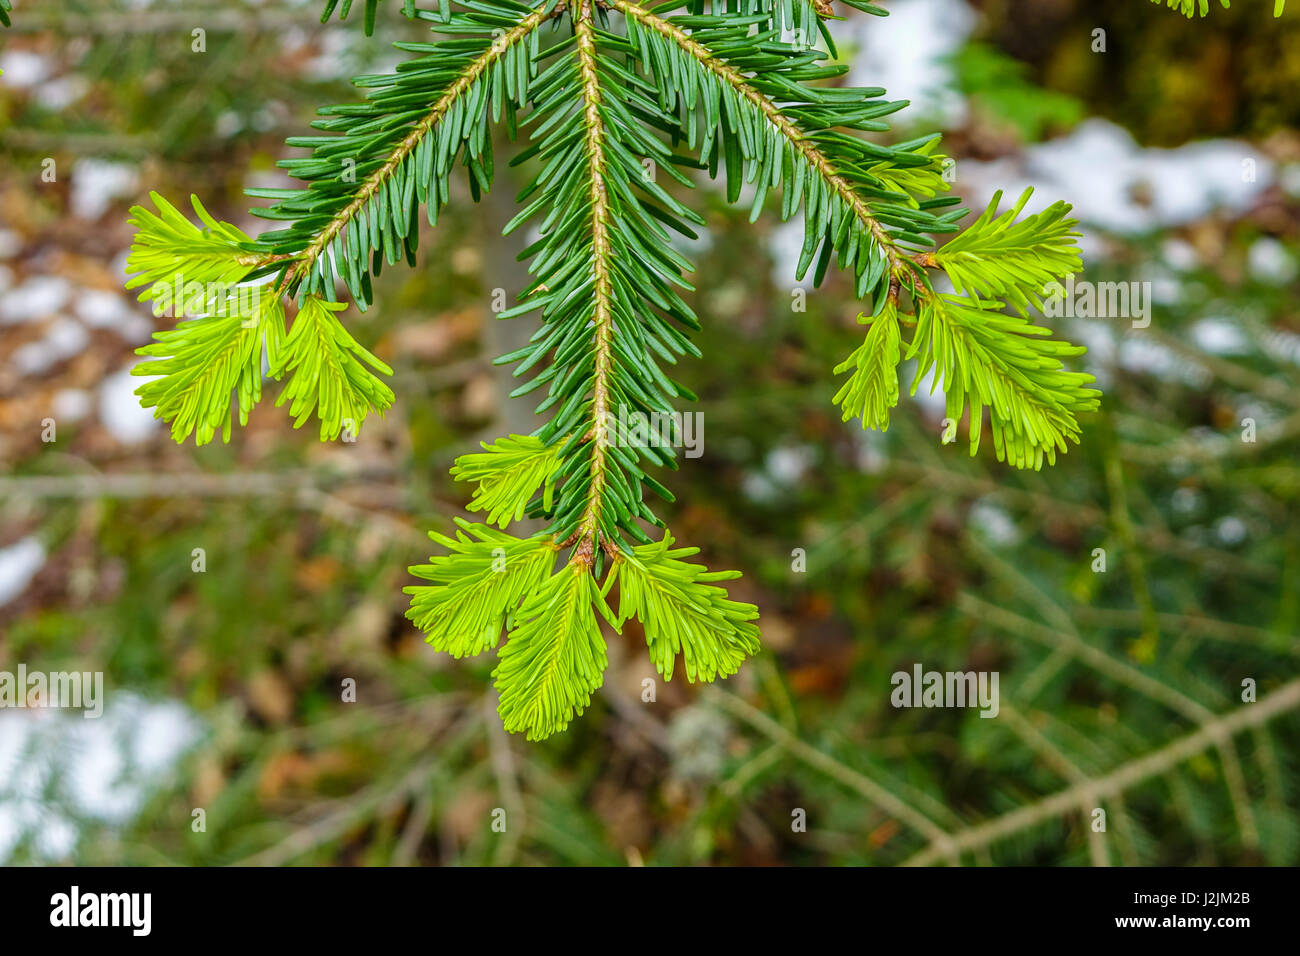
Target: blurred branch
x,y
118,20
1163,541
1124,673
853,779
1226,631
1122,522
1055,758
377,799
507,777
307,489
1230,372
1216,449
1079,796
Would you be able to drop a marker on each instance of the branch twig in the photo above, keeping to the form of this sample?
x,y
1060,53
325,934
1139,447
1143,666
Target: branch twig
x,y
1210,733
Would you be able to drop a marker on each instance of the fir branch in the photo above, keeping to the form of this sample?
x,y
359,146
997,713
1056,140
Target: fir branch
x,y
872,389
205,361
477,587
555,657
604,282
509,473
368,19
403,152
683,613
601,290
327,374
1191,8
794,143
985,358
1212,731
601,104
169,250
998,257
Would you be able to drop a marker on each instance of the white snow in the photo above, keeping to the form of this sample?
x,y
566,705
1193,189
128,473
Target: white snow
x,y
37,298
96,183
994,522
64,339
19,563
905,54
60,93
23,68
1269,261
120,411
108,310
58,769
11,243
1117,185
72,404
1219,337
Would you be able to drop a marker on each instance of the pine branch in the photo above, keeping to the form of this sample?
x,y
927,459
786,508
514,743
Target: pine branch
x,y
683,613
555,657
619,93
327,374
509,473
985,358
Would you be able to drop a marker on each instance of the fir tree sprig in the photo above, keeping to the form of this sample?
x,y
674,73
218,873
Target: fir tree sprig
x,y
477,587
1191,8
682,612
624,107
327,372
509,473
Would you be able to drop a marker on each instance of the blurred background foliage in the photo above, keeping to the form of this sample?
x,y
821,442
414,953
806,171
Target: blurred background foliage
x,y
914,552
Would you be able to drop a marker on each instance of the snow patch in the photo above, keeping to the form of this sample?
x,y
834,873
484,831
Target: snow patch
x,y
59,770
120,411
19,563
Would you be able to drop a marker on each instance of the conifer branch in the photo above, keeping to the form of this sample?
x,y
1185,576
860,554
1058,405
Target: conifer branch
x,y
606,101
1192,8
1084,794
814,157
602,319
442,108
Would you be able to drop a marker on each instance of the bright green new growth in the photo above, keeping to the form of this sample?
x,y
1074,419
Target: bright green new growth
x,y
980,356
229,324
509,471
683,613
1190,8
327,374
625,107
478,586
